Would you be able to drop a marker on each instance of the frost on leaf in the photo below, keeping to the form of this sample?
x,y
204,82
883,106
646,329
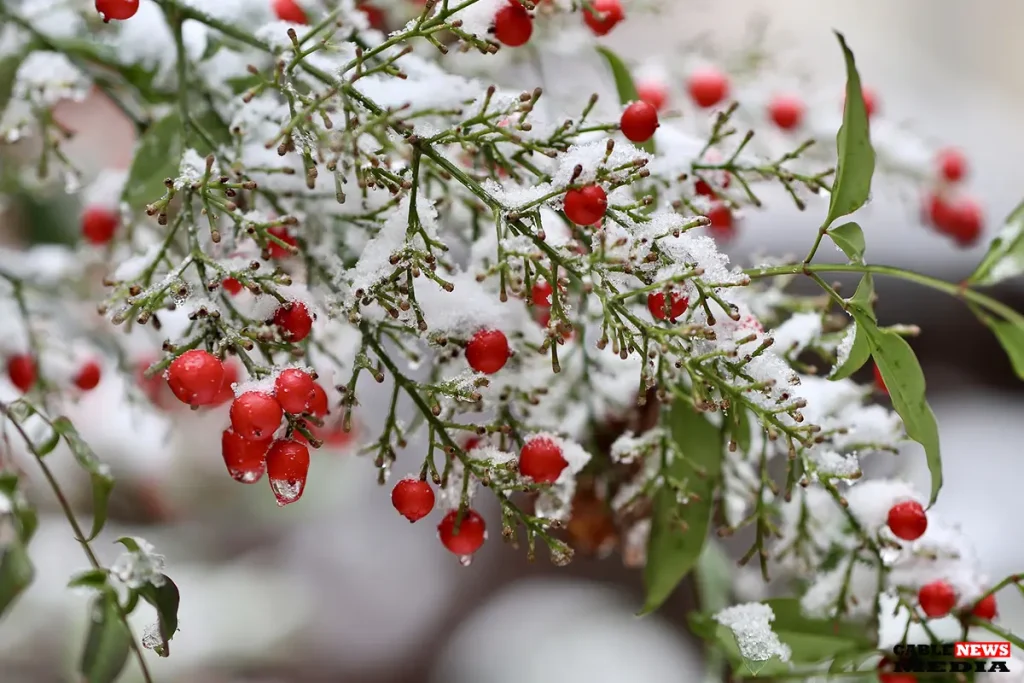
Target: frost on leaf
x,y
751,624
136,568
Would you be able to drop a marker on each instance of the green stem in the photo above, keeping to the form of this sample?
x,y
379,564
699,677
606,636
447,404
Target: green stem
x,y
957,291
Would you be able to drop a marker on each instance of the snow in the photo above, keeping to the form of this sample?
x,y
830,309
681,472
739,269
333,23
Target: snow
x,y
751,623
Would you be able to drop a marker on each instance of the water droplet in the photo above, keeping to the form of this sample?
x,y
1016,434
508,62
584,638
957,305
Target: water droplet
x,y
287,490
465,560
248,476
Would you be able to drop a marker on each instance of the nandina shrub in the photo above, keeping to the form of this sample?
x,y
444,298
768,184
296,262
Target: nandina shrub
x,y
315,207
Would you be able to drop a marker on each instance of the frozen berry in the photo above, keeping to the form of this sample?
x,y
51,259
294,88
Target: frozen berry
x,y
488,351
603,15
513,25
99,224
281,233
656,305
654,94
117,10
879,382
965,221
244,458
287,468
231,285
256,415
985,608
196,377
295,390
468,537
586,205
21,369
318,405
639,121
294,321
786,111
952,165
541,460
289,10
937,599
413,498
907,520
88,377
541,294
708,87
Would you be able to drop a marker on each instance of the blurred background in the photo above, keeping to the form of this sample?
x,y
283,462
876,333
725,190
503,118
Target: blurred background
x,y
340,588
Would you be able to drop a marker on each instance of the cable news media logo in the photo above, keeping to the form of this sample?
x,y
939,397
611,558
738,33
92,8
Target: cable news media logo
x,y
961,657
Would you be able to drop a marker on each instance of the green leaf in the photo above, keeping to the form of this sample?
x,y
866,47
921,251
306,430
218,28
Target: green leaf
x,y
814,640
852,184
164,599
713,575
108,642
1011,338
91,578
16,572
130,544
904,379
157,157
24,514
99,473
850,238
1005,256
8,71
860,352
625,86
722,637
671,551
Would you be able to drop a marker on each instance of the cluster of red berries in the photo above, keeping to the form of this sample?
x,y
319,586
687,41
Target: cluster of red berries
x,y
540,460
908,521
950,212
23,373
513,23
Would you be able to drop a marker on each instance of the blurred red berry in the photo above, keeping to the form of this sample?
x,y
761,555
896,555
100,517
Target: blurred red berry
x,y
88,377
99,224
952,165
654,94
937,599
603,15
708,87
117,10
21,369
907,520
289,10
786,111
513,25
232,286
281,233
985,608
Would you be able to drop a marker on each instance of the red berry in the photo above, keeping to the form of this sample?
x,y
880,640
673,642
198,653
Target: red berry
x,y
289,10
22,371
318,405
721,218
414,499
907,520
639,121
952,165
985,608
227,391
196,377
879,382
937,599
603,15
469,536
965,221
287,468
374,15
656,305
886,675
653,94
544,320
938,212
541,294
99,224
294,321
231,285
152,387
708,87
255,415
541,460
513,25
88,377
118,10
295,391
488,351
244,458
786,111
471,443
281,233
586,205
